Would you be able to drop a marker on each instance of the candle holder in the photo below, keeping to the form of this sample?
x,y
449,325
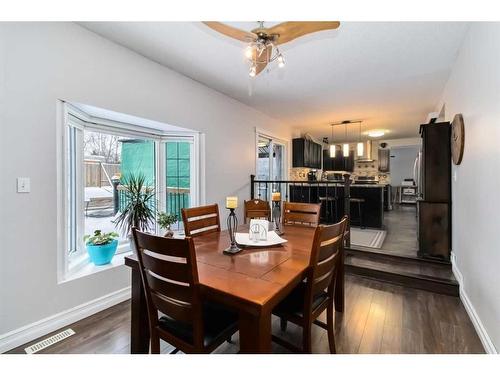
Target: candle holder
x,y
232,224
277,217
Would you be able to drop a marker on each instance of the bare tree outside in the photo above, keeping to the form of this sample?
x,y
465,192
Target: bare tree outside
x,y
105,146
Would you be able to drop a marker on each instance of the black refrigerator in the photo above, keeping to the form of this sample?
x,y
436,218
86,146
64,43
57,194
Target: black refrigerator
x,y
434,202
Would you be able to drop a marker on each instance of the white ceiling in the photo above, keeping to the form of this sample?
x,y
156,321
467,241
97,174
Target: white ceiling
x,y
389,74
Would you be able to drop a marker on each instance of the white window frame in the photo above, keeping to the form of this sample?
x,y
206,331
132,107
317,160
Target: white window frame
x,y
71,117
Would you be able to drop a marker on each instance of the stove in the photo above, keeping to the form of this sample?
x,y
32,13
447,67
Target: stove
x,y
366,180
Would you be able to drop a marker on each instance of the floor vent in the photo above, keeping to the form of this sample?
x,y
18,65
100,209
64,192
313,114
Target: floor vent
x,y
49,341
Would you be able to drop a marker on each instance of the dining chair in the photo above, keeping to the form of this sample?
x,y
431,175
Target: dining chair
x,y
257,209
309,299
301,213
201,220
170,279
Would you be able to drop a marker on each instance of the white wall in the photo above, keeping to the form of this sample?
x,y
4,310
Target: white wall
x,y
41,63
473,89
402,163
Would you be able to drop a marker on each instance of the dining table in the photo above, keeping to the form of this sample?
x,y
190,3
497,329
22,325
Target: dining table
x,y
251,282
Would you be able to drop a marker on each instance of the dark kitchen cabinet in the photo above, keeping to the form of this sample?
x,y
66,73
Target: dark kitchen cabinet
x,y
339,162
384,160
434,205
349,162
436,162
434,230
327,161
306,153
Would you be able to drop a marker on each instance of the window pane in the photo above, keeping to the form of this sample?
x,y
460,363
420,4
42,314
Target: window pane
x,y
109,161
184,150
171,150
184,168
172,168
178,174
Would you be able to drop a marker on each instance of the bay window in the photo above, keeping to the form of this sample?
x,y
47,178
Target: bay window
x,y
99,154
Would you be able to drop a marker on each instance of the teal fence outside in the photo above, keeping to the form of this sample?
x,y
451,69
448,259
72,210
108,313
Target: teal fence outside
x,y
176,200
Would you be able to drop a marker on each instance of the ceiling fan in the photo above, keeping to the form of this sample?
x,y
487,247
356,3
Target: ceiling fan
x,y
263,42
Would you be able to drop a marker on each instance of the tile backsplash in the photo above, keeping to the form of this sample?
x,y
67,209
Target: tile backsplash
x,y
299,174
361,168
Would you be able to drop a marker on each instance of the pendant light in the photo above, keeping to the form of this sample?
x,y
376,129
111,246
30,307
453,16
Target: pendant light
x,y
332,146
345,146
360,146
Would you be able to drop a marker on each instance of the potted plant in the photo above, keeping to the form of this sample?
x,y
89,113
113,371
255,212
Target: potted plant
x,y
139,210
165,220
101,246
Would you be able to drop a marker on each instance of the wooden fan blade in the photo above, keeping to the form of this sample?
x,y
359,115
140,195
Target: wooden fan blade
x,y
262,59
288,31
231,32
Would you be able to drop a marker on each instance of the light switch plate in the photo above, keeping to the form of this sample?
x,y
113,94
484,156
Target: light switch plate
x,y
23,185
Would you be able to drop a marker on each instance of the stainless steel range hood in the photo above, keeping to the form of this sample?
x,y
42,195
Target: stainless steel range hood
x,y
367,152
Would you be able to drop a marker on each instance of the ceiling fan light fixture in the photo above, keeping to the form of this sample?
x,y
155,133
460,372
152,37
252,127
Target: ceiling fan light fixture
x,y
249,52
253,71
281,61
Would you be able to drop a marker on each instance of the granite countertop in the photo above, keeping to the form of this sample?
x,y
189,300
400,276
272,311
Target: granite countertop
x,y
333,183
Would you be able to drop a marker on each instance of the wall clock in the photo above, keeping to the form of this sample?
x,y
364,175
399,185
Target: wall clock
x,y
457,138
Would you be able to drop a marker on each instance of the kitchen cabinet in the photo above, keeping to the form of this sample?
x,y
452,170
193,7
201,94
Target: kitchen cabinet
x,y
339,162
349,162
327,161
306,154
434,206
384,159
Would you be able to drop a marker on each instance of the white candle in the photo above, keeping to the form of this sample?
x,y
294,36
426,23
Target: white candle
x,y
231,202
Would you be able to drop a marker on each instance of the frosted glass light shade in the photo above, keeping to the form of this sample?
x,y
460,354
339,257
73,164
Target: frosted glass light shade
x,y
332,151
360,148
345,149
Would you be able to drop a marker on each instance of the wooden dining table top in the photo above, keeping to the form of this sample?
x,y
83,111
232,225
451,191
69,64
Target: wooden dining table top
x,y
256,277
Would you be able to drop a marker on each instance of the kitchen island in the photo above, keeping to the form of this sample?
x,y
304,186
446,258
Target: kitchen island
x,y
331,197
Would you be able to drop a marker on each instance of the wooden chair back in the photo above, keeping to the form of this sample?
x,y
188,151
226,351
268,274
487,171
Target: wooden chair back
x,y
170,280
325,256
257,209
201,220
301,213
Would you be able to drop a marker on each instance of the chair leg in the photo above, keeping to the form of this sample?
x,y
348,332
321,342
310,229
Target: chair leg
x,y
155,343
330,329
283,323
306,338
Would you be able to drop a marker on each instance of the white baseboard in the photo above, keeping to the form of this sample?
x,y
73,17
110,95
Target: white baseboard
x,y
471,311
42,327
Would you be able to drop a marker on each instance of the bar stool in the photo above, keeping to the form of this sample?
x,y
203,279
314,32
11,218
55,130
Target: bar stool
x,y
330,208
359,202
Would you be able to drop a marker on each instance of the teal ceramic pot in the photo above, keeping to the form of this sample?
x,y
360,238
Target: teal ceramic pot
x,y
102,254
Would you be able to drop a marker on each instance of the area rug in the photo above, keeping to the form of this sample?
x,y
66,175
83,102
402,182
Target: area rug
x,y
368,237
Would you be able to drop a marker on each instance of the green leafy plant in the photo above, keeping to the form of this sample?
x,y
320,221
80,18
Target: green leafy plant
x,y
166,219
99,238
139,210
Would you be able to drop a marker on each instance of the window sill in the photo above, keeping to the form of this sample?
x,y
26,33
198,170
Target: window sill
x,y
82,266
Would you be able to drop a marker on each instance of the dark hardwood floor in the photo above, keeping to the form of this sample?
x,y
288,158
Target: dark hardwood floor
x,y
379,318
401,226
